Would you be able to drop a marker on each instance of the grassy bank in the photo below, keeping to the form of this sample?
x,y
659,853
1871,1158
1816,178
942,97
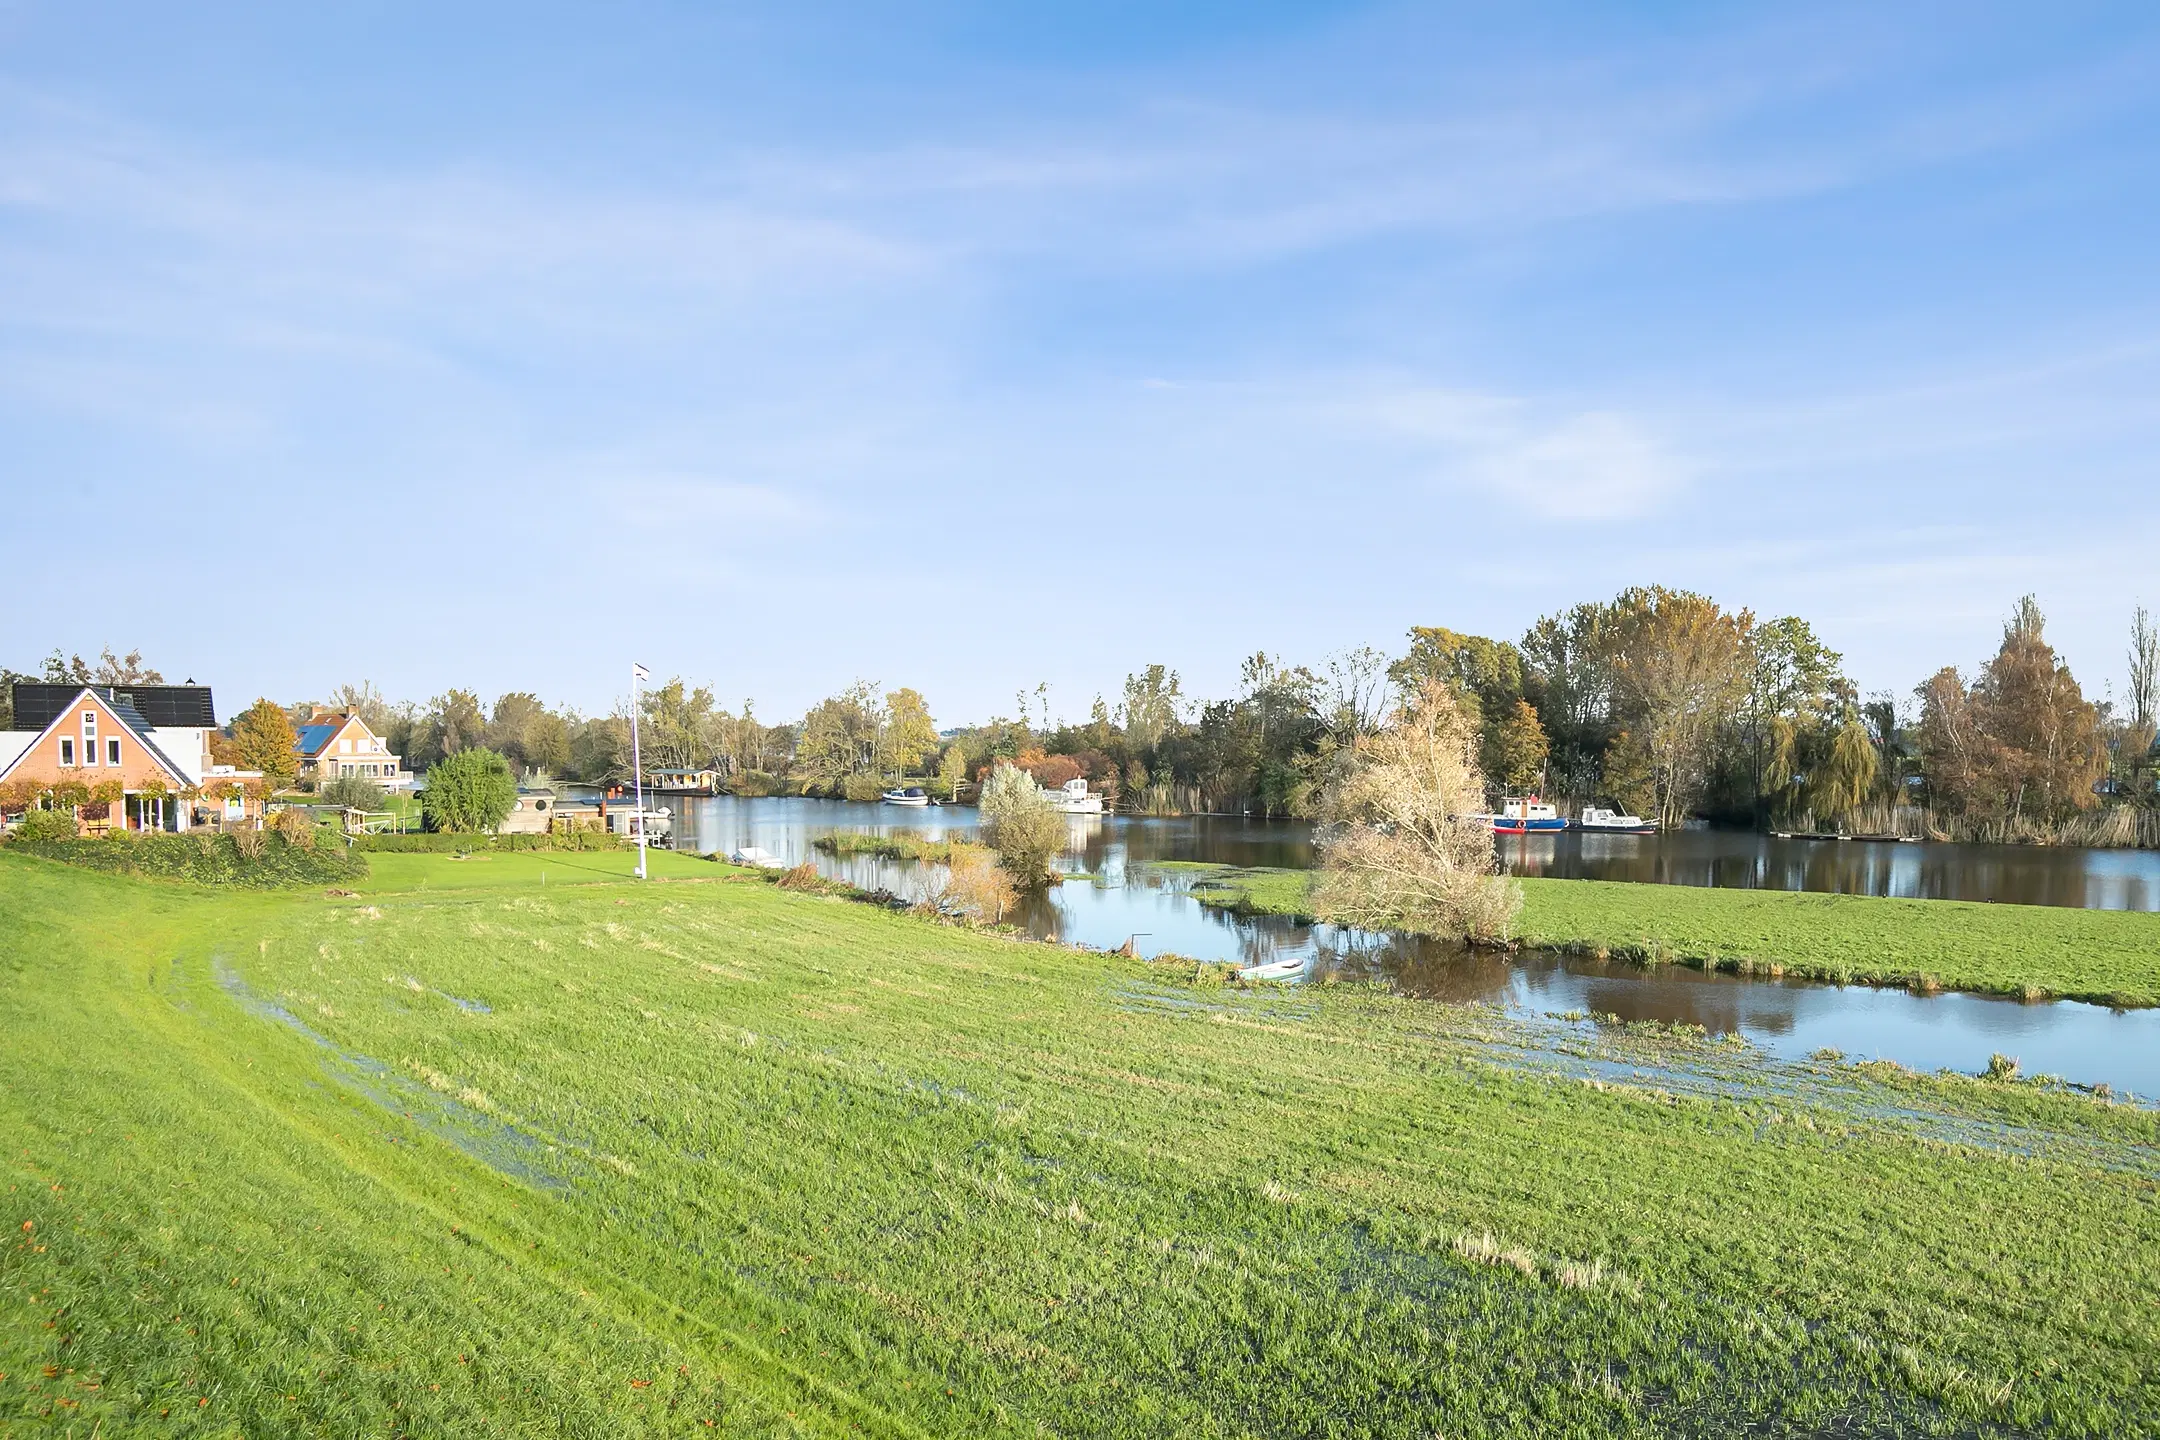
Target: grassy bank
x,y
848,843
705,1156
2037,950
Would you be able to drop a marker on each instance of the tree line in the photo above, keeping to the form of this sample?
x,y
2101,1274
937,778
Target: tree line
x,y
1659,701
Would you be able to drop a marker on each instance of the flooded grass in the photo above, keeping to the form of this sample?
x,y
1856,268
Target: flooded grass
x,y
832,1170
2029,951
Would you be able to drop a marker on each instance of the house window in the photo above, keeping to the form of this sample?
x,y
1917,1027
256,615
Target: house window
x,y
112,751
89,737
67,751
344,747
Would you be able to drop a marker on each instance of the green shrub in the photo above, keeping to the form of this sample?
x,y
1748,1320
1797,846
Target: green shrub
x,y
354,792
470,791
863,788
251,859
43,825
755,783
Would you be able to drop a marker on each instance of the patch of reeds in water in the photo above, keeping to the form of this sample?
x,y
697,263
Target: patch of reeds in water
x,y
2121,827
850,843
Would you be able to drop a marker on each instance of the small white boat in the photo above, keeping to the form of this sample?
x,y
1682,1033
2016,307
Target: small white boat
x,y
912,795
758,858
1073,799
1273,970
1611,822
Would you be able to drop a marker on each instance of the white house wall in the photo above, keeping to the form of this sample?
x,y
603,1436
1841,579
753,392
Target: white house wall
x,y
187,748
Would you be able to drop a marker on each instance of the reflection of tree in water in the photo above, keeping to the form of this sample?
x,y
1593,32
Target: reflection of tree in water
x,y
1038,914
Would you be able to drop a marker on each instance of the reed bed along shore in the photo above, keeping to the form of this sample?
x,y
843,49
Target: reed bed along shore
x,y
472,1153
2117,827
2032,951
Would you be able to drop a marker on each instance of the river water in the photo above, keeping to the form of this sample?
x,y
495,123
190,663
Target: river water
x,y
1114,896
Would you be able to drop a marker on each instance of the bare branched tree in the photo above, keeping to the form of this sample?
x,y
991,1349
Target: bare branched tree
x,y
1357,682
1403,843
2144,671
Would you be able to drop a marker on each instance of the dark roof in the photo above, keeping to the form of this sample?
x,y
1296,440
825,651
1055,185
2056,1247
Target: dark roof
x,y
38,704
121,703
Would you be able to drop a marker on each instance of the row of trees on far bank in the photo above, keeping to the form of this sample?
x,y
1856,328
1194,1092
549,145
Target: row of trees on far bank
x,y
1660,701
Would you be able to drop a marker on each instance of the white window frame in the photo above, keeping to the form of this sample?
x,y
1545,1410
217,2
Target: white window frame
x,y
89,738
67,751
112,750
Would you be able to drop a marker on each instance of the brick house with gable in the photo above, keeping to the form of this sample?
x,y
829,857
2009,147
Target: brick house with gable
x,y
334,744
139,753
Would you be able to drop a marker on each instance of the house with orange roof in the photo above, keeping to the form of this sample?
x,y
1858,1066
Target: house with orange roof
x,y
134,757
333,744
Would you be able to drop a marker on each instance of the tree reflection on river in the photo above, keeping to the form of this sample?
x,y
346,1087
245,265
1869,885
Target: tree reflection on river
x,y
1114,895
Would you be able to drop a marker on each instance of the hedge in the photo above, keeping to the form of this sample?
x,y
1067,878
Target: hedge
x,y
435,843
206,859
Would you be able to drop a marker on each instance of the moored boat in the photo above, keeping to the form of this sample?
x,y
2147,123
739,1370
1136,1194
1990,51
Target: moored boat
x,y
1073,799
1612,822
1526,814
912,795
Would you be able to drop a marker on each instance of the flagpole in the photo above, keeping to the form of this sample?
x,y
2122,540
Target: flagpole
x,y
637,763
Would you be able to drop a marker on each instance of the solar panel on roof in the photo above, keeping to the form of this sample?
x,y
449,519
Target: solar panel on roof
x,y
39,703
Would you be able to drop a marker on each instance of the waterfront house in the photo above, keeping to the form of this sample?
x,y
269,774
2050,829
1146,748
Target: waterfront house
x,y
133,757
339,743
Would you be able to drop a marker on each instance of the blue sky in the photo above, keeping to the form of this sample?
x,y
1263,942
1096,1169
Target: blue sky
x,y
971,347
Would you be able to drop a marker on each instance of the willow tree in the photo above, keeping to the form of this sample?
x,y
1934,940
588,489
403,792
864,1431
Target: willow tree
x,y
1402,842
1846,775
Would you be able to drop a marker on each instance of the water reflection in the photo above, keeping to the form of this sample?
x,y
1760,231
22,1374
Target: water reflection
x,y
1114,895
2006,874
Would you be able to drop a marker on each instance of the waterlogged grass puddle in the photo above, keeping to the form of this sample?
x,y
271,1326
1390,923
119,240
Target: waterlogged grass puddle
x,y
2084,1043
501,1147
840,1171
1140,872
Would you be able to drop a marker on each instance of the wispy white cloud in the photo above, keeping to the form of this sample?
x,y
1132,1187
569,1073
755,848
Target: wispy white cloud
x,y
1595,464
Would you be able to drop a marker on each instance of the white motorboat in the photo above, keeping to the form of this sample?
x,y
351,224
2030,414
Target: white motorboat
x,y
1612,822
912,795
1274,970
758,858
1073,799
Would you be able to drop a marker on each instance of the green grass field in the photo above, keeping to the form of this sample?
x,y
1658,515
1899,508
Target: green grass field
x,y
2106,955
482,1156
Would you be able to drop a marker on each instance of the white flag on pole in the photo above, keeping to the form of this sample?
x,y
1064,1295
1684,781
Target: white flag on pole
x,y
640,671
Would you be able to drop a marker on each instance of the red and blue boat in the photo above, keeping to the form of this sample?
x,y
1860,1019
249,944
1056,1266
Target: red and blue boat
x,y
1526,815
